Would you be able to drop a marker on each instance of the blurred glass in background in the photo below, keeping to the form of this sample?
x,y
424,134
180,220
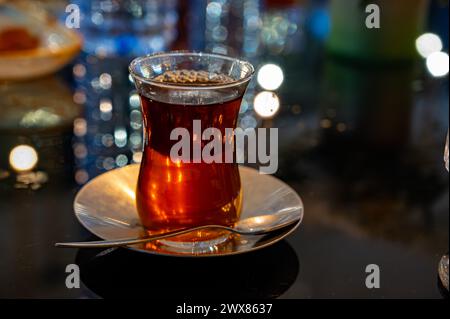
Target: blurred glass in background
x,y
127,27
109,134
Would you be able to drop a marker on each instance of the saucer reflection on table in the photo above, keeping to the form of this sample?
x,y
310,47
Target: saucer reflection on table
x,y
265,273
106,207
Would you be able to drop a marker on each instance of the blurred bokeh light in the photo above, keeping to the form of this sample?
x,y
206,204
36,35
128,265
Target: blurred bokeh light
x,y
23,158
437,64
270,77
266,104
428,43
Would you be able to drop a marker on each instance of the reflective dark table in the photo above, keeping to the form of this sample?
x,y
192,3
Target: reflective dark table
x,y
362,144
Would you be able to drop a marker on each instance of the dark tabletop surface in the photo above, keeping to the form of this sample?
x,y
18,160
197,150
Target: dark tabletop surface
x,y
361,144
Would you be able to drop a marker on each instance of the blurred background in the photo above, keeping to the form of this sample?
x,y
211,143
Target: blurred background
x,y
362,116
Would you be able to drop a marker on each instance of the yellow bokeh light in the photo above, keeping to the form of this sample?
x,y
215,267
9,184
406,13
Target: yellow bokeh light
x,y
137,157
23,158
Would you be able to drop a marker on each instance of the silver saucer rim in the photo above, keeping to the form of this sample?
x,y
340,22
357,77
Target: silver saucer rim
x,y
282,236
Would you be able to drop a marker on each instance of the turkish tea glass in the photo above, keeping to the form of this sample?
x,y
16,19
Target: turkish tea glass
x,y
189,98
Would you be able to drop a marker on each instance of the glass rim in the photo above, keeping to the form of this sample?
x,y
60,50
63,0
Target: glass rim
x,y
143,79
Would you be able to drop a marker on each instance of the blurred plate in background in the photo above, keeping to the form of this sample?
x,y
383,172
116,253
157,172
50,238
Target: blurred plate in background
x,y
32,43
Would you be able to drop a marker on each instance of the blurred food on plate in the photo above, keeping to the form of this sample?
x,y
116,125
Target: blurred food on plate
x,y
32,42
17,38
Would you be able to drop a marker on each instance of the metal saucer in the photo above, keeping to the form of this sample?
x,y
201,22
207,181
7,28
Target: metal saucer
x,y
106,207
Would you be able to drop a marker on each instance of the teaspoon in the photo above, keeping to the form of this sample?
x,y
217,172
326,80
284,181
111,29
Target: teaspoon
x,y
258,225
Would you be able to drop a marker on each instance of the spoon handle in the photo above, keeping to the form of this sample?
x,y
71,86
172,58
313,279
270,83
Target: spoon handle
x,y
133,241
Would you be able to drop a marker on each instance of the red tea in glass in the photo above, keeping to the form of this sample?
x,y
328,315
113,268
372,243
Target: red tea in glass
x,y
177,89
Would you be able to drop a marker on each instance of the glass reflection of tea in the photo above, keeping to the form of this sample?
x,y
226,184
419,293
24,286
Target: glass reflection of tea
x,y
175,90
